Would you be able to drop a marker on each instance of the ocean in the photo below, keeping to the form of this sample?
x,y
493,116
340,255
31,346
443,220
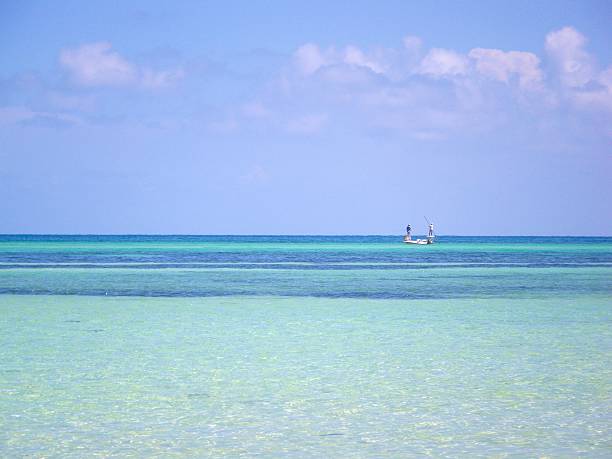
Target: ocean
x,y
305,346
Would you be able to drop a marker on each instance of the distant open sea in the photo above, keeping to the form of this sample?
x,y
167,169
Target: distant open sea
x,y
305,346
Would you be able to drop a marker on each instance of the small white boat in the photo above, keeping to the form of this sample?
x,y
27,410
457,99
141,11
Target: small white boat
x,y
417,241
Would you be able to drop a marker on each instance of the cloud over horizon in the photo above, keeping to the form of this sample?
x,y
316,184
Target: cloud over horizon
x,y
432,93
410,90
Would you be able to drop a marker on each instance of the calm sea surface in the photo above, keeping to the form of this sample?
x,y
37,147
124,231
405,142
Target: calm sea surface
x,y
339,346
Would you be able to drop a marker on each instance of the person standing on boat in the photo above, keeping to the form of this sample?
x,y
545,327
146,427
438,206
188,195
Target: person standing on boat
x,y
430,235
408,230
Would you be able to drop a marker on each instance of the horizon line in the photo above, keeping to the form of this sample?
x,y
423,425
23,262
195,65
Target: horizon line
x,y
294,234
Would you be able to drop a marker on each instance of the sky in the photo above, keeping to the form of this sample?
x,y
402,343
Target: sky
x,y
286,117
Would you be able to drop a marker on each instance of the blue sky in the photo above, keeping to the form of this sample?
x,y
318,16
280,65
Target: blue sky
x,y
306,118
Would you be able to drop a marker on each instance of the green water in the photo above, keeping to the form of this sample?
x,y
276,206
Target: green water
x,y
160,348
307,377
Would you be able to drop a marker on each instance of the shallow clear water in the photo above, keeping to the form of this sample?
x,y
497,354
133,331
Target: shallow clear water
x,y
305,347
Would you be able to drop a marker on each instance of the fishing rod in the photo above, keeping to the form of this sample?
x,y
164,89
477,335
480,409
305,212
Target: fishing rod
x,y
426,220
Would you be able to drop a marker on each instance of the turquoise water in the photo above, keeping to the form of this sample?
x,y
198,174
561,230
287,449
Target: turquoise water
x,y
173,346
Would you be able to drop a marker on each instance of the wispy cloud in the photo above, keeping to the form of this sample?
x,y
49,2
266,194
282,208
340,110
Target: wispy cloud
x,y
309,58
96,64
26,117
501,66
443,62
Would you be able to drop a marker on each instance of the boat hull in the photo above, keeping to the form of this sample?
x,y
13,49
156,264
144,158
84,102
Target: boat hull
x,y
418,241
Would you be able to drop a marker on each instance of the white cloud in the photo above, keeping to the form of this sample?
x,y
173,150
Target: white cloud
x,y
344,66
584,86
354,56
308,58
96,64
443,62
565,46
500,66
431,93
